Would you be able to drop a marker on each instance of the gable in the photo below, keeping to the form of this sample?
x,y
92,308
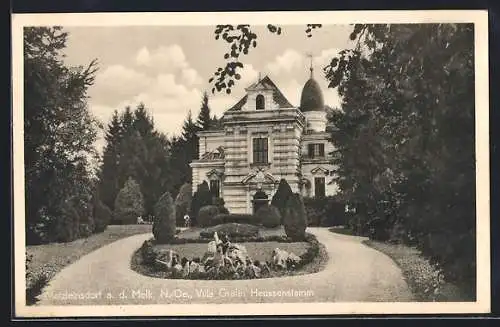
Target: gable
x,y
264,84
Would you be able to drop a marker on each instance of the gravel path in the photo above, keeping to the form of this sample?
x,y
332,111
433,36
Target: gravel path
x,y
354,272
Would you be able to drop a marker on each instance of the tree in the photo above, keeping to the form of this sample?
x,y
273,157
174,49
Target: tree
x,y
281,196
204,120
59,133
129,203
183,203
201,198
164,223
184,151
404,136
108,175
295,218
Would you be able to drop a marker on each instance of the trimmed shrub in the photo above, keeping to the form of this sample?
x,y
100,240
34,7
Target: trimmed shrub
x,y
281,196
295,219
183,203
219,203
102,215
164,224
269,216
207,216
129,203
232,230
201,198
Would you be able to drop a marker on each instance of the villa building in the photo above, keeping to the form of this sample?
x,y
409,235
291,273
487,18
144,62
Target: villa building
x,y
263,139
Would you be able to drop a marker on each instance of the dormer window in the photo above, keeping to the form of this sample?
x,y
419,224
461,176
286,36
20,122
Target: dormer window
x,y
260,102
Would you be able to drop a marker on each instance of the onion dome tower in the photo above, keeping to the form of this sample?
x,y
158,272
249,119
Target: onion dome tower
x,y
312,105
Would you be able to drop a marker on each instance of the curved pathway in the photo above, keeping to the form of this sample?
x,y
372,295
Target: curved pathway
x,y
354,273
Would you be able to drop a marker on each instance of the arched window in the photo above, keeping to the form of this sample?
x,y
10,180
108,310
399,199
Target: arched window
x,y
259,102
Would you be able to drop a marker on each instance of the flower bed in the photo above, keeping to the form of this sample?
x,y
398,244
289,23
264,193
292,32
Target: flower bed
x,y
271,257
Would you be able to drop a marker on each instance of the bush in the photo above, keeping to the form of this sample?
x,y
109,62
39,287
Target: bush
x,y
129,203
325,211
164,224
102,215
219,203
269,216
232,230
281,196
201,198
183,203
68,223
239,218
207,216
295,218
148,253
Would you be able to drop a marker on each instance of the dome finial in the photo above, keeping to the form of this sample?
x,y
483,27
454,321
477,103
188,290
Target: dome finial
x,y
311,69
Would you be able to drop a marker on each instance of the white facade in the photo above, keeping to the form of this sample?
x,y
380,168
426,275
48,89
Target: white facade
x,y
264,139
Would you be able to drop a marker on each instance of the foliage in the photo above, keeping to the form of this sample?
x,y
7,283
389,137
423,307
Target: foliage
x,y
269,216
397,152
295,218
59,133
183,203
232,230
325,211
207,216
281,196
129,203
219,203
201,197
164,228
241,39
101,213
239,218
134,148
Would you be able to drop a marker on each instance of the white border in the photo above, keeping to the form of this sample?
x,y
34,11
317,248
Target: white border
x,y
478,17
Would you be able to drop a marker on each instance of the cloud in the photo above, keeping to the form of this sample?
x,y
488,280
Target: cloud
x,y
289,61
191,77
118,82
165,58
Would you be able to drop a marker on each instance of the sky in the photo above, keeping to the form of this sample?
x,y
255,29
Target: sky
x,y
168,67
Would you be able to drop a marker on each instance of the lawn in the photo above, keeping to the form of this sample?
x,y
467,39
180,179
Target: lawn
x,y
49,259
256,250
422,277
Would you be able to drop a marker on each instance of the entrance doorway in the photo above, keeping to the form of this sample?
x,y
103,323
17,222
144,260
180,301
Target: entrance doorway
x,y
259,199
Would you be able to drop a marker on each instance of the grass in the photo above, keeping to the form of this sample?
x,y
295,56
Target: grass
x,y
48,259
423,278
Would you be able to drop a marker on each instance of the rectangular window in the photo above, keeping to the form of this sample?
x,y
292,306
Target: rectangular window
x,y
319,186
215,188
260,150
316,150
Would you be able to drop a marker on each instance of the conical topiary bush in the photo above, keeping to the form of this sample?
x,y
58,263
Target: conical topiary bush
x,y
164,223
295,218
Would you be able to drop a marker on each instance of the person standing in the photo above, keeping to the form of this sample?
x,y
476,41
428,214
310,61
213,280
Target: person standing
x,y
187,221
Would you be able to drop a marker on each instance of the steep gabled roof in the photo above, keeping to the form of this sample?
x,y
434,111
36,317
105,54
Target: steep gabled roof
x,y
268,84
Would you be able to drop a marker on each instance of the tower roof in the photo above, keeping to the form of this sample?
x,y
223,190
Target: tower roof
x,y
312,96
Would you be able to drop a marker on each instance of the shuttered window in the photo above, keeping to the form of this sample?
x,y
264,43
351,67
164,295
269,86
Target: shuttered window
x,y
316,150
260,150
